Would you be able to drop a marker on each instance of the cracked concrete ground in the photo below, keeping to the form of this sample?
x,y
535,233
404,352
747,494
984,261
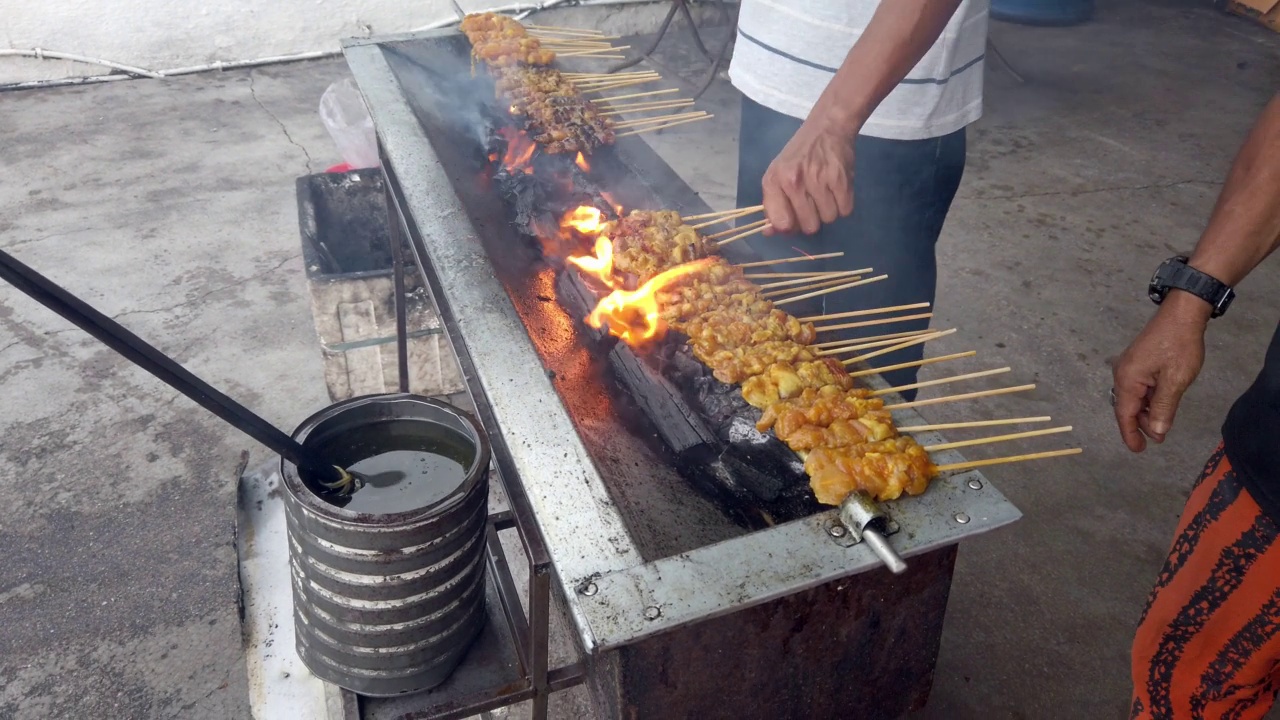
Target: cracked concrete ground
x,y
171,205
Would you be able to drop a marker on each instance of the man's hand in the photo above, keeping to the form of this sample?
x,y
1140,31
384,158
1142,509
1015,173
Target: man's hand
x,y
811,180
1154,372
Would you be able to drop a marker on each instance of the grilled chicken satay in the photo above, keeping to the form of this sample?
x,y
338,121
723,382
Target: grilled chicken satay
x,y
884,470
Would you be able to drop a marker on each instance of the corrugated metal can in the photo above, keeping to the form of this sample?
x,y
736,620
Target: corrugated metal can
x,y
387,604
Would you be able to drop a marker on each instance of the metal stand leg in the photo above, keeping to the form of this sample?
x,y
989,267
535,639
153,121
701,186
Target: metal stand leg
x,y
395,231
539,627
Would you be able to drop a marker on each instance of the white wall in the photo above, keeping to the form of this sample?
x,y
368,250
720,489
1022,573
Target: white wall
x,y
165,34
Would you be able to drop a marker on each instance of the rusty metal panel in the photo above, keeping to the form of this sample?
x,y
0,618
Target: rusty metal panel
x,y
859,647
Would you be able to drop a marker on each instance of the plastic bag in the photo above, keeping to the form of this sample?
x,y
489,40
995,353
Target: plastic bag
x,y
343,112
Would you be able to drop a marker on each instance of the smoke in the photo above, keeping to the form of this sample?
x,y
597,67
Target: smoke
x,y
439,82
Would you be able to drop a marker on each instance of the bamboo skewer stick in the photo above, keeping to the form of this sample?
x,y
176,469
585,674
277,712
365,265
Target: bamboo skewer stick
x,y
942,381
812,277
996,438
589,56
837,288
781,261
962,396
739,236
594,51
975,424
659,118
816,284
621,84
807,273
732,230
566,28
724,218
571,45
636,95
970,464
720,213
607,76
664,127
583,85
913,363
608,79
872,343
870,338
900,346
650,107
859,313
877,321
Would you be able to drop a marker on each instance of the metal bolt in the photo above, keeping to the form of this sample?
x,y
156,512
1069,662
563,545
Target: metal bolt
x,y
652,612
589,589
975,484
837,531
962,518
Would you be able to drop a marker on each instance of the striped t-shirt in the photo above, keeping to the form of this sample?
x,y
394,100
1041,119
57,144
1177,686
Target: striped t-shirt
x,y
788,50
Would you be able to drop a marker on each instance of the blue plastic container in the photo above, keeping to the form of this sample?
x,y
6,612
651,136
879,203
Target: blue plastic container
x,y
1043,12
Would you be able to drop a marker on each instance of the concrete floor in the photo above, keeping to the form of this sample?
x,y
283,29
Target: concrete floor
x,y
170,206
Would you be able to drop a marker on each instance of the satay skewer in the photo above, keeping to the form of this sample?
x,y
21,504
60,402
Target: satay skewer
x,y
815,284
975,424
855,344
727,218
870,338
564,28
650,107
793,275
741,235
900,346
658,119
594,51
996,438
812,277
942,381
971,464
732,230
721,213
781,261
634,95
859,313
913,363
664,127
877,321
824,291
963,396
872,343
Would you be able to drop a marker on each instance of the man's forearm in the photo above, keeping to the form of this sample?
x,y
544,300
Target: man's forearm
x,y
899,34
1245,226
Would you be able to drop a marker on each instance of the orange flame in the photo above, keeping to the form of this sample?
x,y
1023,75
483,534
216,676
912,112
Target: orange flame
x,y
585,219
582,163
599,266
633,316
519,151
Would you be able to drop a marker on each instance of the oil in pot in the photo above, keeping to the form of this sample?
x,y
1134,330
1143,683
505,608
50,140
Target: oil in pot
x,y
407,465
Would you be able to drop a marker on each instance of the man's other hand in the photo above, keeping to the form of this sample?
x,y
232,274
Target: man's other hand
x,y
1157,368
811,180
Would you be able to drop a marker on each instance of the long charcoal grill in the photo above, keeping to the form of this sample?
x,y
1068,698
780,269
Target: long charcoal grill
x,y
653,570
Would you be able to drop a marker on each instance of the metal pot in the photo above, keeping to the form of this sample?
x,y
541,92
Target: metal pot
x,y
386,604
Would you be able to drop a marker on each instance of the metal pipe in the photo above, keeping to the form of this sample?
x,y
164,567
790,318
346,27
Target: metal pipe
x,y
879,545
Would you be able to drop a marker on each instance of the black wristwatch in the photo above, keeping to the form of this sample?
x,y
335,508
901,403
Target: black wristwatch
x,y
1175,274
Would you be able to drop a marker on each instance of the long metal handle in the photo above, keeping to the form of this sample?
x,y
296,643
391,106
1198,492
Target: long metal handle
x,y
133,348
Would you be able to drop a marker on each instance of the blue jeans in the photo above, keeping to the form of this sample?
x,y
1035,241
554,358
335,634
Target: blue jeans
x,y
902,190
